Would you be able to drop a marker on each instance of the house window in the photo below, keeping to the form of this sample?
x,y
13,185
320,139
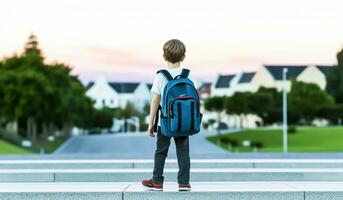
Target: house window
x,y
103,102
111,101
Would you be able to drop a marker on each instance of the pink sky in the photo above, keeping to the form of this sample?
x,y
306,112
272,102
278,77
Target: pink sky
x,y
123,39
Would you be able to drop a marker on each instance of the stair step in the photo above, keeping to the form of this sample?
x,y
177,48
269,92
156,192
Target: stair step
x,y
200,191
199,174
172,163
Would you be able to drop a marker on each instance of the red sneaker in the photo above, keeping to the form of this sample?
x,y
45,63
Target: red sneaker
x,y
148,184
184,187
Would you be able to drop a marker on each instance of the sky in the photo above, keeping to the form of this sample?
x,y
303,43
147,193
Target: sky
x,y
123,39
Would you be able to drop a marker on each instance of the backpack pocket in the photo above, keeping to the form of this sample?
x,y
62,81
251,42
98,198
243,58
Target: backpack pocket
x,y
185,115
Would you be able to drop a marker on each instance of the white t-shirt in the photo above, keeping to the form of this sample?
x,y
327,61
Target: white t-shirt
x,y
160,82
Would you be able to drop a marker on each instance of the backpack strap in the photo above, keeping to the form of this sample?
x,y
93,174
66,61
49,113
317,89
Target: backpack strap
x,y
157,118
185,73
166,74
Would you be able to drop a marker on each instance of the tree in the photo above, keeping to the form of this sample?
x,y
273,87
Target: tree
x,y
307,99
45,96
238,104
20,97
32,48
276,95
335,79
128,112
215,104
271,110
260,103
334,113
102,118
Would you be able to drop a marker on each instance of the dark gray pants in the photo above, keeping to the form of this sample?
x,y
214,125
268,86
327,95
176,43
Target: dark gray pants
x,y
183,159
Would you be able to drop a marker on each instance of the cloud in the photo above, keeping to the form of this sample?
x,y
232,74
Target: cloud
x,y
115,58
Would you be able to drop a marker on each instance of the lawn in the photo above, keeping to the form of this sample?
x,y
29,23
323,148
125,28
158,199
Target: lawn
x,y
7,148
306,139
11,144
48,146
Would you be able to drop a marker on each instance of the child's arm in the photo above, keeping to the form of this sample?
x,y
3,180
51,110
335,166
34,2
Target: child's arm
x,y
155,102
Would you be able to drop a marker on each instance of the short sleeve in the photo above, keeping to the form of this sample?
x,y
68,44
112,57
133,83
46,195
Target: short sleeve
x,y
157,85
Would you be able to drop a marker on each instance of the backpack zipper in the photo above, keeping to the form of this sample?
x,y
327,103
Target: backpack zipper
x,y
179,117
179,98
166,100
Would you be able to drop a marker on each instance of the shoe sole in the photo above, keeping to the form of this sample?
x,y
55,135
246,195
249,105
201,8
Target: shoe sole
x,y
152,189
184,189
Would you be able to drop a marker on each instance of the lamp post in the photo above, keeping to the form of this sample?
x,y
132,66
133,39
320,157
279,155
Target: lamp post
x,y
284,110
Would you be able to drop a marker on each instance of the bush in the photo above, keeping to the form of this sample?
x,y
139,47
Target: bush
x,y
234,143
94,131
272,116
332,113
224,140
143,127
205,125
292,129
257,144
11,137
211,121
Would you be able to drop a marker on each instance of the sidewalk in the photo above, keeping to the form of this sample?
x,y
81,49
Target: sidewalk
x,y
200,191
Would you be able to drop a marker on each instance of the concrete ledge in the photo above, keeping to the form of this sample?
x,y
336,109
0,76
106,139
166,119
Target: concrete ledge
x,y
195,155
26,177
108,164
57,191
171,163
200,191
197,175
61,195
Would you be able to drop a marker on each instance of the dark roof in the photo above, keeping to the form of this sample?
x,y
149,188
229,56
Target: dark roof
x,y
149,86
325,69
246,77
293,71
204,86
90,84
124,87
224,81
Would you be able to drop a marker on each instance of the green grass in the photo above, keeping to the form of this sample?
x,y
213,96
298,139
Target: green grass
x,y
49,147
7,148
11,144
307,139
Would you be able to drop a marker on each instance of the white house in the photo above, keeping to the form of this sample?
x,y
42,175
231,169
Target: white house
x,y
118,94
271,76
244,82
227,85
222,86
267,76
316,75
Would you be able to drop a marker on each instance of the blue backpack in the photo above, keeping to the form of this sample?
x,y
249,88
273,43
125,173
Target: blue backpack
x,y
180,111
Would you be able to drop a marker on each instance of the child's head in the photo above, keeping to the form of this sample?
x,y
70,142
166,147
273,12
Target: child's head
x,y
174,51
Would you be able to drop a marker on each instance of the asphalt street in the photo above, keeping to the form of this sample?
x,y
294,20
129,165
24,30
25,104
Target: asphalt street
x,y
137,145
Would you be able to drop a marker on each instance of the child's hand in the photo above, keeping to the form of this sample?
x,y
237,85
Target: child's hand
x,y
151,131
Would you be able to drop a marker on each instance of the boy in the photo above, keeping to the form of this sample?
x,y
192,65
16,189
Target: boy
x,y
173,53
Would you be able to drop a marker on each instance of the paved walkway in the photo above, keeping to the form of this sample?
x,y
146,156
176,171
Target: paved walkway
x,y
136,146
202,191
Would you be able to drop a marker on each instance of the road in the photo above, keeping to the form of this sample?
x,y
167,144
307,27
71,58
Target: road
x,y
137,145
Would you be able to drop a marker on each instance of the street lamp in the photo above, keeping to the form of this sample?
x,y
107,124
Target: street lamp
x,y
284,112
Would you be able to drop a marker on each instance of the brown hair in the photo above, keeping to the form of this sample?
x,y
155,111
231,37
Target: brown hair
x,y
174,51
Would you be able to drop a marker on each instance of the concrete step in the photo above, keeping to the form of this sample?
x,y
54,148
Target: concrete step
x,y
171,163
65,191
200,174
200,191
